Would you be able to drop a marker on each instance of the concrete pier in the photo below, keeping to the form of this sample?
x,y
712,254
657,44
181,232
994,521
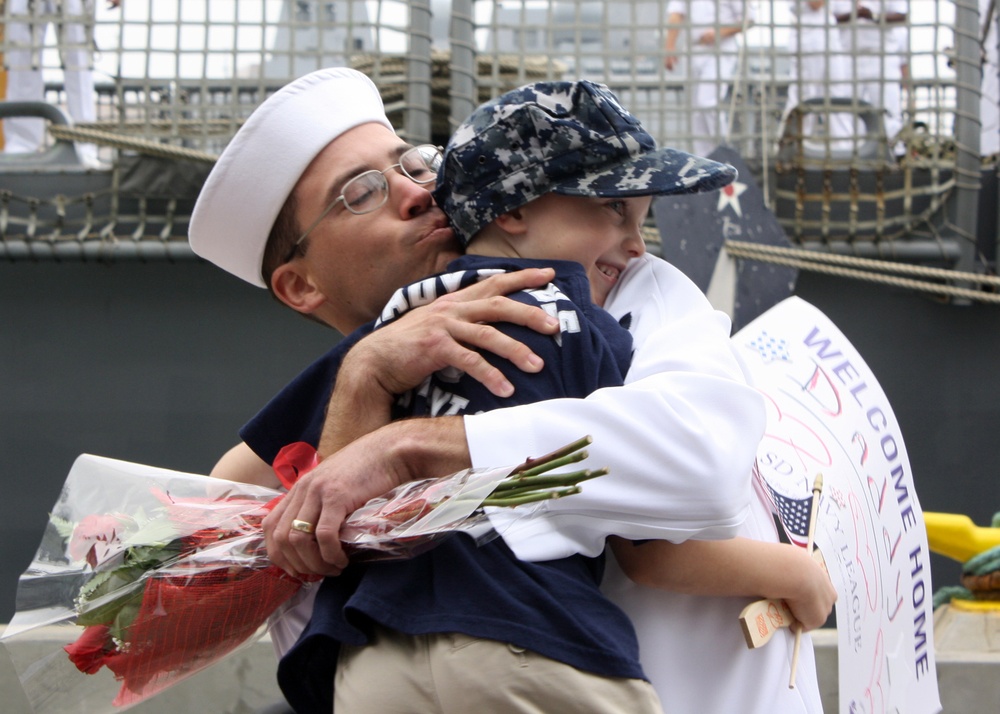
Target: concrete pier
x,y
967,649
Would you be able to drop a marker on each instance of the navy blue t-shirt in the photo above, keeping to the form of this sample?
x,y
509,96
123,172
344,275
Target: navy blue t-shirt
x,y
554,608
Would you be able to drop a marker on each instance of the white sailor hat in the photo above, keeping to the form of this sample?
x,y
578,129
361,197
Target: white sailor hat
x,y
256,173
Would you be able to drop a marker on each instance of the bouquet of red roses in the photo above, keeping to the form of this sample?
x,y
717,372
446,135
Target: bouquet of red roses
x,y
166,573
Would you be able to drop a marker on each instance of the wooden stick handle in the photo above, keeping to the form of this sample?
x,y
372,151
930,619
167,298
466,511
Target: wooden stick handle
x,y
817,490
762,618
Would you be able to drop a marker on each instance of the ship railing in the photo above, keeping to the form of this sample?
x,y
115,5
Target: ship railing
x,y
921,205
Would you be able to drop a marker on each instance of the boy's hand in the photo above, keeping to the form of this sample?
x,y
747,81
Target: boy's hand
x,y
814,600
762,618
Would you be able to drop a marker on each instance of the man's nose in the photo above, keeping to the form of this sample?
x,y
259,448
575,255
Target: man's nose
x,y
413,198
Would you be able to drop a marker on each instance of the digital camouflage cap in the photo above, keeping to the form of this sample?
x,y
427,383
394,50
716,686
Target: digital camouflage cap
x,y
572,138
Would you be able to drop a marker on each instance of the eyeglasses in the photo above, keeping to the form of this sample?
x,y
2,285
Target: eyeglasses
x,y
369,191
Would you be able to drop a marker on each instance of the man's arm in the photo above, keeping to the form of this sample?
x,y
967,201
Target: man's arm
x,y
709,36
674,22
679,438
679,445
368,467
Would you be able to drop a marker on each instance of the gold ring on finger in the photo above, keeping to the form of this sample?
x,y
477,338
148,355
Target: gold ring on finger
x,y
303,526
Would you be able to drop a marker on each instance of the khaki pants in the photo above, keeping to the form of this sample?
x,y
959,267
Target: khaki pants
x,y
457,674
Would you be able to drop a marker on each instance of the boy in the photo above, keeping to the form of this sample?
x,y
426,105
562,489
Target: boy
x,y
599,233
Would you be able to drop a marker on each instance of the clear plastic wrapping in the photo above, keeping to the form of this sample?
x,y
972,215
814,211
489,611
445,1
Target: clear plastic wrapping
x,y
145,576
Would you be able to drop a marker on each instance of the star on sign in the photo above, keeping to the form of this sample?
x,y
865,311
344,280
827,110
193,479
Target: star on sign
x,y
730,196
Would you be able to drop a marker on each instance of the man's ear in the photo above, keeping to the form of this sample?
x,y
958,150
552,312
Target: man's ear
x,y
512,222
293,286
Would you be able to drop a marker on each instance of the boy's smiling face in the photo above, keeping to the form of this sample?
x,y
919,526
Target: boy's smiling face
x,y
602,234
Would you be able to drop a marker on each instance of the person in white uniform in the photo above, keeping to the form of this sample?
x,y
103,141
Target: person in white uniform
x,y
817,67
710,28
25,32
873,69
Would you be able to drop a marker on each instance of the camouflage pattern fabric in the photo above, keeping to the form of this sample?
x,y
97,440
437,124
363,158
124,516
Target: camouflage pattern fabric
x,y
572,138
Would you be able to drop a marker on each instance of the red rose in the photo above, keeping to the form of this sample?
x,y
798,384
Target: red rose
x,y
92,649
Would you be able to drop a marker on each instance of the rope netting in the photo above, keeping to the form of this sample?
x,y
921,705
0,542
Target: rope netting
x,y
185,112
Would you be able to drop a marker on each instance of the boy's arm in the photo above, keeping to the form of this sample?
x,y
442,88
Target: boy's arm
x,y
241,464
740,567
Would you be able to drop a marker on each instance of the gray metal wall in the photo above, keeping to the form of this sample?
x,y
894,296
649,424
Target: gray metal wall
x,y
157,363
161,363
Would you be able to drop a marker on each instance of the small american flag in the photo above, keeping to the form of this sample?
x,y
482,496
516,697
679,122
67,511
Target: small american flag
x,y
793,512
794,515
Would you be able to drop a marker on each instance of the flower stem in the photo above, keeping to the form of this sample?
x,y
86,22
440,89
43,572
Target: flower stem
x,y
547,481
517,500
560,457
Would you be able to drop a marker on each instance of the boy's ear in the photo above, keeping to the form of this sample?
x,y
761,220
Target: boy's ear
x,y
512,222
293,286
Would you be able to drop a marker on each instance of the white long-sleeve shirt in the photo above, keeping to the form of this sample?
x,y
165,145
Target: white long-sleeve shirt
x,y
679,437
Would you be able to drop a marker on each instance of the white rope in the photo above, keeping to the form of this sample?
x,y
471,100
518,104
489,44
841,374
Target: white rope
x,y
143,146
867,269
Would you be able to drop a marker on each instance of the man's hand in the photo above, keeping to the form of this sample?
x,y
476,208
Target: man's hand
x,y
345,481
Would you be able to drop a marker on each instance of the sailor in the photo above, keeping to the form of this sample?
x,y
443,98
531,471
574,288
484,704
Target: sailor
x,y
28,20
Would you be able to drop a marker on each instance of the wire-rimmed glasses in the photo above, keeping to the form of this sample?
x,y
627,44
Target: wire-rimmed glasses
x,y
369,191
